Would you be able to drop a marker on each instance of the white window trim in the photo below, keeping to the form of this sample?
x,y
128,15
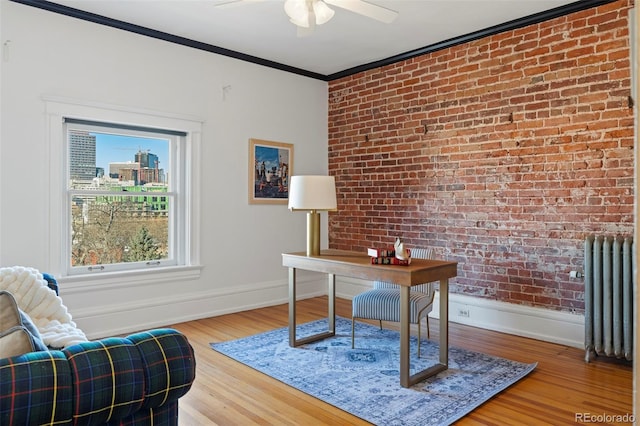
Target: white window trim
x,y
177,146
56,108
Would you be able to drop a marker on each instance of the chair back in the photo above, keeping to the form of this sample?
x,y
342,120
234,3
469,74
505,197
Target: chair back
x,y
418,253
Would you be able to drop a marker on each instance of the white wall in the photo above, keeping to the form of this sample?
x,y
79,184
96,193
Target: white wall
x,y
51,55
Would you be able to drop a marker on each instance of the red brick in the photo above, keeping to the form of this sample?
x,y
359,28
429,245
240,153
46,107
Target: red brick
x,y
500,153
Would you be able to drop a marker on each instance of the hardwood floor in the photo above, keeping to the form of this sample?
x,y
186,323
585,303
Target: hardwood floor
x,y
561,388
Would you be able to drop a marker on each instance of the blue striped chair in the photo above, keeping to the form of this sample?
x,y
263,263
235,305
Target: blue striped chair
x,y
382,303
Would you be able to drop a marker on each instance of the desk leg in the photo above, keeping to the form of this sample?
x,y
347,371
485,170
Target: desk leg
x,y
406,379
292,306
332,304
405,352
444,323
293,341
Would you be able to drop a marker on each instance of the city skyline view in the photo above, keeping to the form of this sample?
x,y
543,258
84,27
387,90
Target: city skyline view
x,y
129,222
113,148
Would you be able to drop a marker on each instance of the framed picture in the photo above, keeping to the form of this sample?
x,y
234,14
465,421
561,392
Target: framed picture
x,y
270,165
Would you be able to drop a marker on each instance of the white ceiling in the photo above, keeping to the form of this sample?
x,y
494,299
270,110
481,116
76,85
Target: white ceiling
x,y
261,29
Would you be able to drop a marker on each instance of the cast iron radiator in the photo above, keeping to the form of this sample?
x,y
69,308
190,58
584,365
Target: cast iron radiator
x,y
608,296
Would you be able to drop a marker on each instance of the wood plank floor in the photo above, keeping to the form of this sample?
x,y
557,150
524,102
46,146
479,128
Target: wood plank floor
x,y
562,386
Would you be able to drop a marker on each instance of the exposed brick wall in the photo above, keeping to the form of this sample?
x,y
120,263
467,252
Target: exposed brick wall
x,y
502,153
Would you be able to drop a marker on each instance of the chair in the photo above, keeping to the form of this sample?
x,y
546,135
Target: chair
x,y
382,303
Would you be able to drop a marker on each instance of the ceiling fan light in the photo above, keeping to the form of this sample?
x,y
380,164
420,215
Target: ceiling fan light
x,y
297,11
323,12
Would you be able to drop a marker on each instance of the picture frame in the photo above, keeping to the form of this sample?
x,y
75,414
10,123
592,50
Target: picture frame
x,y
270,167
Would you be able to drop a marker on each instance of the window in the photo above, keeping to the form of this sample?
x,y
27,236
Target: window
x,y
127,182
112,171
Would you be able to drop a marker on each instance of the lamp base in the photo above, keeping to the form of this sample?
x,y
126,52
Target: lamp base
x,y
313,233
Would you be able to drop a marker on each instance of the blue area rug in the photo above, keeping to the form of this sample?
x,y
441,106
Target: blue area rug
x,y
365,381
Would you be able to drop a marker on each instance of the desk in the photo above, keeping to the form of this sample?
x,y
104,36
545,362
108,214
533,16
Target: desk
x,y
358,265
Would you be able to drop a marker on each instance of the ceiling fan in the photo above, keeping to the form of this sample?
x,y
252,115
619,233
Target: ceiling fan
x,y
306,14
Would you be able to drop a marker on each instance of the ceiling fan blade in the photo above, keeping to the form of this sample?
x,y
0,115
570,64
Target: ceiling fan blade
x,y
367,9
227,4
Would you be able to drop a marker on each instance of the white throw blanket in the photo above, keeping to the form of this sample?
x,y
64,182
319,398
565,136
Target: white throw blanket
x,y
43,306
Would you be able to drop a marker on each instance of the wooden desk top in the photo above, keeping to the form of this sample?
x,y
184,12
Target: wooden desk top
x,y
358,265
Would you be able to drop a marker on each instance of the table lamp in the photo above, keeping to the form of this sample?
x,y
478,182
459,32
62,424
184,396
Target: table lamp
x,y
312,194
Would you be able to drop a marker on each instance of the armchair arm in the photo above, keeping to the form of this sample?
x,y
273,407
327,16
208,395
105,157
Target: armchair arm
x,y
35,389
107,381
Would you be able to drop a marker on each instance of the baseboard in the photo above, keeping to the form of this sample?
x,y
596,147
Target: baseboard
x,y
536,323
542,324
125,318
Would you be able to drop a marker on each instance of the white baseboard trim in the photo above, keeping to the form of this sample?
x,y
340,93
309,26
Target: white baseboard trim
x,y
124,318
542,324
536,323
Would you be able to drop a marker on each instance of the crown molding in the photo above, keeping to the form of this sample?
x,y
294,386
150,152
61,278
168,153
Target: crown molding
x,y
496,29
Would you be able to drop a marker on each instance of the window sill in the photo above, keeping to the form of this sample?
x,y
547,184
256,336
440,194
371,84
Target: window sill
x,y
123,279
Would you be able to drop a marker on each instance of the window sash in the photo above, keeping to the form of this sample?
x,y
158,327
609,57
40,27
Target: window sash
x,y
132,224
176,213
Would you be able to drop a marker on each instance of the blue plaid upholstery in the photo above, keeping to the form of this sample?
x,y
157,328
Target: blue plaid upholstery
x,y
383,301
115,381
108,379
35,389
166,414
169,372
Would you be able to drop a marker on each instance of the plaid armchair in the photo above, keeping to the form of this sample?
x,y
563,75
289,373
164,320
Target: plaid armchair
x,y
135,380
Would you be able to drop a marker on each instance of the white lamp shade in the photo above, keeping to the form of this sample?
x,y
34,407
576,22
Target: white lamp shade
x,y
312,193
